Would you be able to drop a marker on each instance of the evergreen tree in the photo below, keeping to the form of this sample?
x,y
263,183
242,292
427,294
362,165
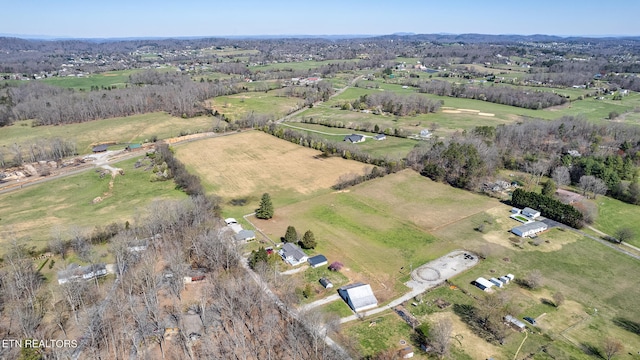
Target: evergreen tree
x,y
257,256
308,240
291,235
549,188
265,211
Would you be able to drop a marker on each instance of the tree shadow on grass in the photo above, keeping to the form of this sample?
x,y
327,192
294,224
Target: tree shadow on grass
x,y
590,349
628,325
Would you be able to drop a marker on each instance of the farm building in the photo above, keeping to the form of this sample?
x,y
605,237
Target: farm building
x,y
358,296
317,261
529,229
380,137
245,235
326,283
99,148
354,138
292,254
504,279
133,147
483,284
530,213
230,221
496,282
519,325
510,277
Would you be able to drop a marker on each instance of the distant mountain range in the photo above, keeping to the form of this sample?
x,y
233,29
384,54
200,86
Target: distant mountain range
x,y
440,37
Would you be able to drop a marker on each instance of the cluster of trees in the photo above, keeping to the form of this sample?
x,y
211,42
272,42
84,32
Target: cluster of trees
x,y
392,103
496,94
174,168
486,318
549,207
181,97
308,240
352,179
320,91
357,126
40,149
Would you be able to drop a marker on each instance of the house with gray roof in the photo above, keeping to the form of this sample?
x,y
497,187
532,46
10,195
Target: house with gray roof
x,y
245,235
292,254
354,138
76,272
530,229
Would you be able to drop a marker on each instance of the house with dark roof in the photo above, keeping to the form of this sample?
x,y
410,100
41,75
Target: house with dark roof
x,y
292,254
380,137
318,260
358,296
354,138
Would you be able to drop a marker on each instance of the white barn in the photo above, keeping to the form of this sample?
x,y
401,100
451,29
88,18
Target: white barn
x,y
358,296
529,229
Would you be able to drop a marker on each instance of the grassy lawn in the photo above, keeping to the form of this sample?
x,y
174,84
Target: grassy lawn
x,y
34,212
381,332
271,103
298,65
614,214
136,128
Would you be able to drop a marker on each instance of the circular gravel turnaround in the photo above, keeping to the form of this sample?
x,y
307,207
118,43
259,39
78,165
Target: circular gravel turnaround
x,y
428,274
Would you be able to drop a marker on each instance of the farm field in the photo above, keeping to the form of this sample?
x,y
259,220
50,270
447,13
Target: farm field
x,y
586,272
270,103
379,229
240,168
136,128
614,214
108,79
297,65
32,213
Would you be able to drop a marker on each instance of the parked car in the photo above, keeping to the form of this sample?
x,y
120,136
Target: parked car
x,y
530,320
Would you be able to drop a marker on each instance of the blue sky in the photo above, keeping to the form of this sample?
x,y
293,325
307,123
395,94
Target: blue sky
x,y
161,18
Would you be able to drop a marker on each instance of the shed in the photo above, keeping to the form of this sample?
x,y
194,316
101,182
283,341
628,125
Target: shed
x,y
510,277
530,213
380,137
317,261
326,283
515,210
529,229
406,353
245,235
519,325
485,284
358,296
230,221
504,279
131,147
100,148
496,282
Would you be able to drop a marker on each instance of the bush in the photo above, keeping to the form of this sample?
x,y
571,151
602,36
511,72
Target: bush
x,y
336,266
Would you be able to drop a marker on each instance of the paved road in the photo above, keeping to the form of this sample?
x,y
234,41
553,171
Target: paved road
x,y
426,277
553,223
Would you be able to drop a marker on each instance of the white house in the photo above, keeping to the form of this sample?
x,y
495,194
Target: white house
x,y
530,213
317,261
358,296
292,254
529,229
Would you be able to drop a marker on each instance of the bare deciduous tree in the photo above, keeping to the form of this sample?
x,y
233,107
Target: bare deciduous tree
x,y
561,176
440,336
591,184
612,347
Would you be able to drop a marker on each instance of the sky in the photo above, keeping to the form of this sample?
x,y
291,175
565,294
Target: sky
x,y
161,18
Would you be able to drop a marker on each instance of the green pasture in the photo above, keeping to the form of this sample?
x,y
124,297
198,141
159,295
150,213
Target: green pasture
x,y
108,79
135,128
297,65
271,103
392,147
614,214
33,212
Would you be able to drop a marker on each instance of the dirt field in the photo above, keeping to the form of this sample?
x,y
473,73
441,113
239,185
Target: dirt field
x,y
465,339
253,163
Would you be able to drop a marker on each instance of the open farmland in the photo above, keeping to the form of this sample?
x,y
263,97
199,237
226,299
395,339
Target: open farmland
x,y
244,166
270,103
103,80
32,213
136,128
614,214
379,229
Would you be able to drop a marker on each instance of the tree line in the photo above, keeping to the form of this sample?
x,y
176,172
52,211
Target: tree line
x,y
504,95
392,103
